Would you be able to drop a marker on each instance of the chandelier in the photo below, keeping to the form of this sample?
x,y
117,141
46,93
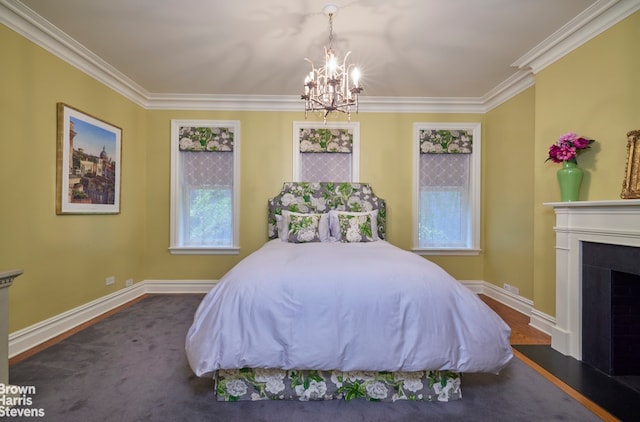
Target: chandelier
x,y
330,88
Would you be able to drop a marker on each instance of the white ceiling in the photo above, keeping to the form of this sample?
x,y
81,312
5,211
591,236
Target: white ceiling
x,y
405,48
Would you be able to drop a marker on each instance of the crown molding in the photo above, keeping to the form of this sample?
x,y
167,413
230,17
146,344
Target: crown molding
x,y
421,104
597,18
41,32
292,103
224,102
509,88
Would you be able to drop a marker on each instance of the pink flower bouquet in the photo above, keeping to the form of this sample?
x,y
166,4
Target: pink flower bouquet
x,y
568,147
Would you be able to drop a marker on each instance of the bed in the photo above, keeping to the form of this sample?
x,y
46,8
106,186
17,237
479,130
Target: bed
x,y
328,309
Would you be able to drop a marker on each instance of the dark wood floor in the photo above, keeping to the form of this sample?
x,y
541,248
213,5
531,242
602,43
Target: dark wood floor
x,y
521,331
603,395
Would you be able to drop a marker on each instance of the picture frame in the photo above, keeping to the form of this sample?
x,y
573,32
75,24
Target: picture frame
x,y
88,165
631,183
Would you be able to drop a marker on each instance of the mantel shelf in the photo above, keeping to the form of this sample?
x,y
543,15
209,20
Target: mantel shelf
x,y
7,277
612,203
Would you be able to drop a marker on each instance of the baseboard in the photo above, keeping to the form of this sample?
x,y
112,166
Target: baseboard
x,y
538,320
517,302
22,340
476,286
34,335
543,322
178,287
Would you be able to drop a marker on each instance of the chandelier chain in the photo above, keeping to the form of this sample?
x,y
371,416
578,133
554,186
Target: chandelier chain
x,y
330,31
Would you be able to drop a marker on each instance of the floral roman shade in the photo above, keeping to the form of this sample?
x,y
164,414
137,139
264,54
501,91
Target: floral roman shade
x,y
326,140
209,139
445,141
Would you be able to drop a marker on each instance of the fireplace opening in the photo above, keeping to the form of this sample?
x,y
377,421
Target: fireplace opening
x,y
611,310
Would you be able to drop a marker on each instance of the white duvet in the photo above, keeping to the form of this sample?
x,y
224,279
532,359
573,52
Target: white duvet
x,y
344,306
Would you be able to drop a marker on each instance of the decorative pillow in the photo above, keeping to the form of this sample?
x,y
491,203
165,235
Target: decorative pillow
x,y
368,227
304,228
298,227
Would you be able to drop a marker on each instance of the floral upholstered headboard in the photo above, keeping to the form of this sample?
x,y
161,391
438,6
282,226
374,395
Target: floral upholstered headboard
x,y
320,197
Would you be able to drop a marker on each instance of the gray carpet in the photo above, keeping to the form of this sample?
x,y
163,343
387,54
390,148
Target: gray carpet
x,y
131,366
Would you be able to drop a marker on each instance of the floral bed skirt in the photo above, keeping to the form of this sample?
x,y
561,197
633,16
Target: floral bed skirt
x,y
275,384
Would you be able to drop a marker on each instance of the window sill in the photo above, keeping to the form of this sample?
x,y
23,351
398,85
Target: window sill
x,y
179,250
445,251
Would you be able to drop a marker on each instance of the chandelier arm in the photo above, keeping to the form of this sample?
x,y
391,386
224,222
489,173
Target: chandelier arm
x,y
344,62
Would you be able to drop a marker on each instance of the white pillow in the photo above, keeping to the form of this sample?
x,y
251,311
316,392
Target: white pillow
x,y
282,223
334,225
282,232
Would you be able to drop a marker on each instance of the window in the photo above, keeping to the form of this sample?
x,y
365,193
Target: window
x,y
204,186
326,152
447,188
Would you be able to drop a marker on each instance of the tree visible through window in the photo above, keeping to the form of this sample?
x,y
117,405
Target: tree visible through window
x,y
447,183
442,218
204,187
210,219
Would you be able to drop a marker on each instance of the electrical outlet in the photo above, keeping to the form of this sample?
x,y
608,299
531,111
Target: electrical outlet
x,y
109,281
129,282
511,289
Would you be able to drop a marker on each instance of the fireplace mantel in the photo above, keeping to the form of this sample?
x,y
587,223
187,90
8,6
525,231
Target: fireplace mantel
x,y
615,222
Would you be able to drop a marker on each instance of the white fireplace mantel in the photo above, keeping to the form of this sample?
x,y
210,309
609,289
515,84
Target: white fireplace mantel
x,y
615,222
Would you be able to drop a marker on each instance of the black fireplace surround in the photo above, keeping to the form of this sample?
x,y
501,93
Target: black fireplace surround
x,y
611,308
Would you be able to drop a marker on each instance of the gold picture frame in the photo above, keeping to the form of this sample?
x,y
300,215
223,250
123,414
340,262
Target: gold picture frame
x,y
88,163
631,183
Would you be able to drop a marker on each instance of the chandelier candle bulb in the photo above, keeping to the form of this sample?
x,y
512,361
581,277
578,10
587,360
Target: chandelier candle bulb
x,y
355,75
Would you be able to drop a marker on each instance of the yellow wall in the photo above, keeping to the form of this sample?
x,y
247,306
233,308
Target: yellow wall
x,y
593,91
508,193
65,258
386,161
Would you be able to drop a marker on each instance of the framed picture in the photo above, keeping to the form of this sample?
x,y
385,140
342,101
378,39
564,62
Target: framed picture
x,y
88,164
631,183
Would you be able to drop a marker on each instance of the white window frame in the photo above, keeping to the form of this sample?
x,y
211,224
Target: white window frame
x,y
176,194
473,223
355,153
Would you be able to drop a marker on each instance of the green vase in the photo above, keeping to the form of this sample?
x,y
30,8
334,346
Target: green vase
x,y
569,179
